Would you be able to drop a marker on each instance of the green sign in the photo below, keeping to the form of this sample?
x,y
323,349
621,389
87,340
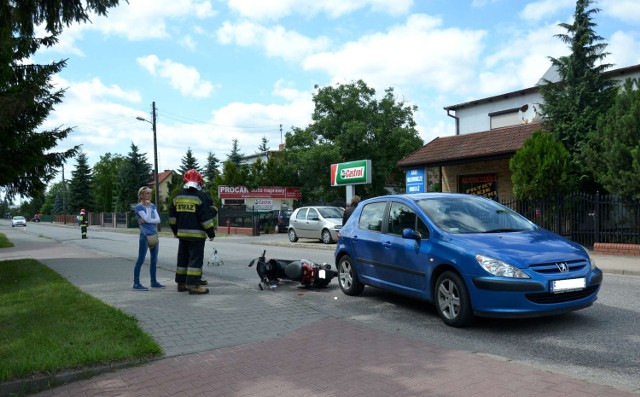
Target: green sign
x,y
351,173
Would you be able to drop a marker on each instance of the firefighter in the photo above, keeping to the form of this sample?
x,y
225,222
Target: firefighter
x,y
191,221
83,220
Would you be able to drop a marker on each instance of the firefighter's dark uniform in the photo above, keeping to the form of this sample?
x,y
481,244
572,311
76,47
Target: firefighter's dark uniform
x,y
83,219
191,221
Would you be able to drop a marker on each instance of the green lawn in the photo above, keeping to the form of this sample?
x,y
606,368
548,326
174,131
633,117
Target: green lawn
x,y
48,325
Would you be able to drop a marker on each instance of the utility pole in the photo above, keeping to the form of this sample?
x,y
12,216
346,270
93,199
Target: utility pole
x,y
156,190
155,161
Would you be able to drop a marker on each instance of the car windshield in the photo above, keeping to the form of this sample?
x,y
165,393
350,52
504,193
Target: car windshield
x,y
330,212
473,215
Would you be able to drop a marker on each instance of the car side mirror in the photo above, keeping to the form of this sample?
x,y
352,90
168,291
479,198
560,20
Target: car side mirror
x,y
411,234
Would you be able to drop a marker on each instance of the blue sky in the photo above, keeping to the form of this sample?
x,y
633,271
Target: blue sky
x,y
220,70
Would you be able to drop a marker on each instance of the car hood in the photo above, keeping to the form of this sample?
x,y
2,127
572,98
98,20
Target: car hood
x,y
521,249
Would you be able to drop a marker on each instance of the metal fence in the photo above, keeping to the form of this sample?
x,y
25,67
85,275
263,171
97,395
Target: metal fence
x,y
585,218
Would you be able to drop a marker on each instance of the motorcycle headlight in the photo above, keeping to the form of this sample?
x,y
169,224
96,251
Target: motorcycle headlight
x,y
500,268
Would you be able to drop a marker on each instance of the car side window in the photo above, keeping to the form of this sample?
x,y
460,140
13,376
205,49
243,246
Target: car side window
x,y
402,217
371,216
313,214
302,214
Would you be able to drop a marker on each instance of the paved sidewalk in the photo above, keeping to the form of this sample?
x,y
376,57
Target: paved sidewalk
x,y
251,343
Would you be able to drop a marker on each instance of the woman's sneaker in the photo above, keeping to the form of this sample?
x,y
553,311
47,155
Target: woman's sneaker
x,y
157,285
140,287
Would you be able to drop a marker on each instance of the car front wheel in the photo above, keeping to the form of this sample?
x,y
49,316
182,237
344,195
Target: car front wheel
x,y
292,236
326,237
452,300
347,277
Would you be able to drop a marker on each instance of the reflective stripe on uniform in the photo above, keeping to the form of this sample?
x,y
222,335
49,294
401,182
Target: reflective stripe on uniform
x,y
181,270
194,271
191,233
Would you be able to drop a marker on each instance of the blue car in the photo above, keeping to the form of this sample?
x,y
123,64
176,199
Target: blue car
x,y
468,255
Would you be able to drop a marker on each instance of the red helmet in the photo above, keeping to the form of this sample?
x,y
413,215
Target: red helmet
x,y
192,178
83,211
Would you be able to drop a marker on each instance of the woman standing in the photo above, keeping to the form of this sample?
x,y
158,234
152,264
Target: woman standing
x,y
148,218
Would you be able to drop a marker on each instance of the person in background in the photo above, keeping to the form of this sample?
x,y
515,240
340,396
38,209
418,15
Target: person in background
x,y
148,218
83,220
347,213
191,221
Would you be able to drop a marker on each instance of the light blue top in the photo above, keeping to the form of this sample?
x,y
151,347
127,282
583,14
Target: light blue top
x,y
150,217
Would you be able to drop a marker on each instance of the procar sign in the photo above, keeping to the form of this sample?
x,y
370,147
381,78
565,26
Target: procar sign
x,y
351,173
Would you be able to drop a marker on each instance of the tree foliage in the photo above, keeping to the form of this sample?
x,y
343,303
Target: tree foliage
x,y
26,93
188,162
81,186
235,155
350,123
614,150
540,168
133,172
105,176
572,106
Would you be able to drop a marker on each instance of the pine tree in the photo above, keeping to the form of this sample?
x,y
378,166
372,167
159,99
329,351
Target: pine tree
x,y
81,186
264,145
235,156
571,106
211,171
188,162
27,95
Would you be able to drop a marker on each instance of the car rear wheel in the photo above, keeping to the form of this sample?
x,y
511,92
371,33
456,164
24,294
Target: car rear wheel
x,y
452,300
292,236
347,277
326,237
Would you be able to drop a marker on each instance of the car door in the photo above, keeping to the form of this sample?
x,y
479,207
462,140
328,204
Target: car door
x,y
312,224
406,259
299,220
366,242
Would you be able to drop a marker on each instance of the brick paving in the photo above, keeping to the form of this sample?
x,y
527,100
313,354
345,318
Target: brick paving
x,y
251,343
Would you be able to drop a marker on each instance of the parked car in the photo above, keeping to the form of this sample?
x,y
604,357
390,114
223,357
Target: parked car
x,y
468,255
18,221
282,222
320,222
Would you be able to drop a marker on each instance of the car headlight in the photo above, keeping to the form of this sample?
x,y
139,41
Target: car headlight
x,y
500,268
591,260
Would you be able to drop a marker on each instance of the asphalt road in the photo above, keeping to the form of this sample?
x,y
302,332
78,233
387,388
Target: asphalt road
x,y
601,343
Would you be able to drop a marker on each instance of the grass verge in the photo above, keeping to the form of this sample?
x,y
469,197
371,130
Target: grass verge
x,y
49,326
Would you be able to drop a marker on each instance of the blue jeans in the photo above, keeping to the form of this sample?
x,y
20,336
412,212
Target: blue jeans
x,y
142,253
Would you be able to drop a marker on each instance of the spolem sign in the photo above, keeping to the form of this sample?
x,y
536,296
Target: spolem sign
x,y
351,173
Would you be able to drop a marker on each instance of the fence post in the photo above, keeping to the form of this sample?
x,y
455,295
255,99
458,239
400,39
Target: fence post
x,y
596,220
559,215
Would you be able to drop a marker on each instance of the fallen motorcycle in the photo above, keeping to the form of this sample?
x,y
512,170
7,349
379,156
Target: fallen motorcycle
x,y
304,271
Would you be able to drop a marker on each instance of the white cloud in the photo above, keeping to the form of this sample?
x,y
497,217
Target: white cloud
x,y
624,50
545,9
183,78
418,53
276,9
625,10
276,41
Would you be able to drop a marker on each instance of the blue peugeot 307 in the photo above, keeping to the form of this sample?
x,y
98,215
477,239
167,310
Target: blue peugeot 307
x,y
469,255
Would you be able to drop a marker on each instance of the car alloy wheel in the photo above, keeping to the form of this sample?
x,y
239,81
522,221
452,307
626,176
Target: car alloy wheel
x,y
292,236
452,300
347,277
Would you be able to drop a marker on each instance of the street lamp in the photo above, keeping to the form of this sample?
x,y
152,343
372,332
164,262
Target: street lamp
x,y
155,155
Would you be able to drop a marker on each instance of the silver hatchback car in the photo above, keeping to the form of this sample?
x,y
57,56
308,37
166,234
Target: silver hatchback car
x,y
319,222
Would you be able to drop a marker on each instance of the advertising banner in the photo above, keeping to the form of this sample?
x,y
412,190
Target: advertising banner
x,y
241,192
351,173
415,181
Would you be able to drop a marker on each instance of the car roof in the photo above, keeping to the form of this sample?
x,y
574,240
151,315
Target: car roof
x,y
421,196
